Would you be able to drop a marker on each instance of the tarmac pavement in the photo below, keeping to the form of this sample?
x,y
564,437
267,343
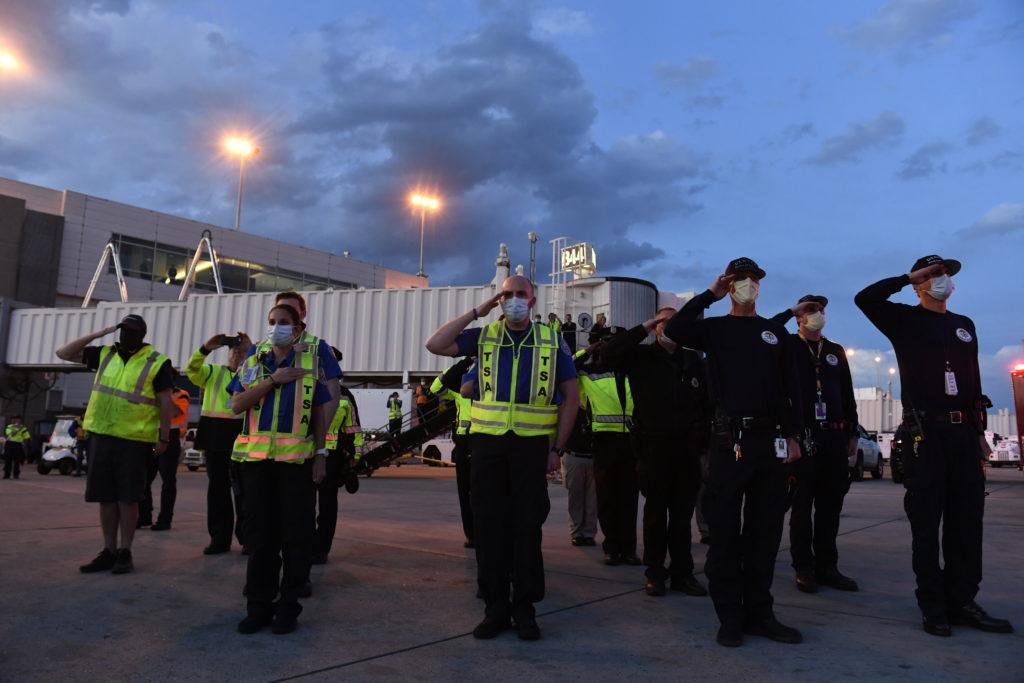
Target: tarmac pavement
x,y
396,599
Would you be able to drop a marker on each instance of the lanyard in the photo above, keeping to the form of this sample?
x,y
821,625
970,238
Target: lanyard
x,y
817,364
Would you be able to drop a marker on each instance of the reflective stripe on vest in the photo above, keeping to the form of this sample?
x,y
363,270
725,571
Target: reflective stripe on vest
x,y
538,417
285,443
602,393
216,399
342,418
463,407
122,402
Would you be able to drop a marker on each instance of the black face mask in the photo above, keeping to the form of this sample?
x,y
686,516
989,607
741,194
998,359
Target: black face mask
x,y
130,340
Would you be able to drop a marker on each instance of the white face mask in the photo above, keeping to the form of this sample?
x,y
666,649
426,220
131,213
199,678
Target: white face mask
x,y
940,288
814,321
516,310
744,292
280,335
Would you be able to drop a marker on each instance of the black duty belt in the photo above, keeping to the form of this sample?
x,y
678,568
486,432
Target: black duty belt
x,y
748,423
954,417
834,426
588,456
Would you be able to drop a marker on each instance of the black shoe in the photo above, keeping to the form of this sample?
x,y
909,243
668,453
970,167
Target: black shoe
x,y
160,526
589,541
490,627
578,541
216,549
306,591
632,560
255,621
123,564
655,587
101,563
245,550
469,543
972,614
833,578
318,558
770,628
806,583
286,620
729,635
527,628
937,626
613,559
689,585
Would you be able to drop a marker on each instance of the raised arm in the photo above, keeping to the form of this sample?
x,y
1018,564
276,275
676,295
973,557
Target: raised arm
x,y
72,351
442,342
873,300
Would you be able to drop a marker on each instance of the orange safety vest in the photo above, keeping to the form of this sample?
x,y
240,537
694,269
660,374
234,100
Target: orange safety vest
x,y
181,400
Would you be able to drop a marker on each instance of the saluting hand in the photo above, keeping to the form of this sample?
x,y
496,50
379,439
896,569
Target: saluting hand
x,y
488,306
793,450
804,308
721,285
288,375
105,331
924,274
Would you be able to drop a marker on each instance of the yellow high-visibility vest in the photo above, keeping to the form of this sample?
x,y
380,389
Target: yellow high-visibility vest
x,y
123,403
292,442
538,417
213,379
394,410
600,391
463,405
17,434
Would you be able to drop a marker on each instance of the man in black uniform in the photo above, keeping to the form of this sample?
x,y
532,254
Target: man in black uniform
x,y
937,352
755,393
670,420
822,477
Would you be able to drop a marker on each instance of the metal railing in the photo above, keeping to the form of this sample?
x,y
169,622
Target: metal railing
x,y
109,251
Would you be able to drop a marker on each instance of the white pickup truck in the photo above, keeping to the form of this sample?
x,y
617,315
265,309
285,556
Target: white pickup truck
x,y
867,458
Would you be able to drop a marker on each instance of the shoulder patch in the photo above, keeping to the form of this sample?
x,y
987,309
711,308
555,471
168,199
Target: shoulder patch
x,y
963,335
832,360
769,337
694,382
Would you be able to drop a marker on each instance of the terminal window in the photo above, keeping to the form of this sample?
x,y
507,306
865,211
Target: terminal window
x,y
158,262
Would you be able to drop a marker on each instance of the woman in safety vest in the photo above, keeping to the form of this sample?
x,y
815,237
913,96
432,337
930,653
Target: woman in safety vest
x,y
282,454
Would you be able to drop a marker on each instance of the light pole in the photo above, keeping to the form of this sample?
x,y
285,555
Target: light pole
x,y
892,373
424,203
243,149
878,372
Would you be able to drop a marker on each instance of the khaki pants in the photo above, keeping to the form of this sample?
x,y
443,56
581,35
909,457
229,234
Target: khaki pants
x,y
578,475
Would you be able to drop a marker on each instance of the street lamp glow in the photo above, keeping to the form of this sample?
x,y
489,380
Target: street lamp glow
x,y
1019,367
878,359
850,352
240,147
424,202
8,62
892,371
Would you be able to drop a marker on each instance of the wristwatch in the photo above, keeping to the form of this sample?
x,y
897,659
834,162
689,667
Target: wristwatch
x,y
321,451
558,451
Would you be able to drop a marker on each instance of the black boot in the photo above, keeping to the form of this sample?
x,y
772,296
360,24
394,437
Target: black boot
x,y
805,582
937,626
972,614
835,579
770,628
688,584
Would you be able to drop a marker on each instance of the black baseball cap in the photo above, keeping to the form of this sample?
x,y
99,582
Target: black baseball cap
x,y
744,265
134,321
816,298
952,265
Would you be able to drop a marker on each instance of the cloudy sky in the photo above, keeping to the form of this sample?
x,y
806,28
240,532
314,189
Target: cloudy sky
x,y
832,142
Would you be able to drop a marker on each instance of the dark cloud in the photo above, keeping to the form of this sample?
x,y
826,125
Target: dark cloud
x,y
982,130
906,25
1000,221
623,253
695,72
798,131
925,161
883,130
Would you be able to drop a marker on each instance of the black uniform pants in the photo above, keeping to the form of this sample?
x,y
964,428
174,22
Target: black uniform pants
x,y
510,505
238,492
220,511
166,464
395,426
463,479
944,485
278,531
822,481
327,504
617,491
14,455
744,505
669,475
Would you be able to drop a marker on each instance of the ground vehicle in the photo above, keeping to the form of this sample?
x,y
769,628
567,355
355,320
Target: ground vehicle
x,y
868,456
59,449
1005,451
192,458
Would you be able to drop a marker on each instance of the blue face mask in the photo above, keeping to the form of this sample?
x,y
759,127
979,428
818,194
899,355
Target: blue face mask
x,y
516,310
280,335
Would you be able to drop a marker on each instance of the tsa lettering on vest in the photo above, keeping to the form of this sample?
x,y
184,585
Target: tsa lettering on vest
x,y
543,375
963,335
542,391
832,360
769,337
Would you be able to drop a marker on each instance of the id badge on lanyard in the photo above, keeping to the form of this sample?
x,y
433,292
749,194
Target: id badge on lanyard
x,y
950,383
781,449
820,410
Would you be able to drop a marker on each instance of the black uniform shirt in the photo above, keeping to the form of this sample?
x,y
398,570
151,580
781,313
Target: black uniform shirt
x,y
836,381
751,362
924,342
669,391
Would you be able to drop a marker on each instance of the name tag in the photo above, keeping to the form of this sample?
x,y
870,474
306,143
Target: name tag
x,y
820,410
781,449
950,383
